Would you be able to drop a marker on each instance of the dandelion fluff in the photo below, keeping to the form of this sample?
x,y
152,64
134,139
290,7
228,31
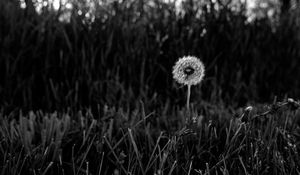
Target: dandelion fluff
x,y
188,70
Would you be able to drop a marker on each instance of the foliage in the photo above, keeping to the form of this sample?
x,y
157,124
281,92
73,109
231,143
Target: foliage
x,y
260,140
127,53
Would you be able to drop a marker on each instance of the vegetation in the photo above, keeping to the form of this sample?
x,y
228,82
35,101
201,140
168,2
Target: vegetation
x,y
95,94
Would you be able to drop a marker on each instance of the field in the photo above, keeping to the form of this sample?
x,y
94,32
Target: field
x,y
90,90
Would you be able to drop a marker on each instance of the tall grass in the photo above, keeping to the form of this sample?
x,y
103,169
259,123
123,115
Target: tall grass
x,y
128,51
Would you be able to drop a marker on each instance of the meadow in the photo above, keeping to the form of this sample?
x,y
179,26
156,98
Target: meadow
x,y
95,94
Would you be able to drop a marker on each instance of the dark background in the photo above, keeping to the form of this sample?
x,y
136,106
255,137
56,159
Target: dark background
x,y
122,53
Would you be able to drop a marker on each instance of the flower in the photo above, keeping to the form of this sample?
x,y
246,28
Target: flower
x,y
188,70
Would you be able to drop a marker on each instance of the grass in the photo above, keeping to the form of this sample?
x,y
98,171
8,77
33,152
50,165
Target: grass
x,y
263,140
97,97
51,65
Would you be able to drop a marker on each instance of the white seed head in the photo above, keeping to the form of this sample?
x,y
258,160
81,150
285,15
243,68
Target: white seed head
x,y
188,70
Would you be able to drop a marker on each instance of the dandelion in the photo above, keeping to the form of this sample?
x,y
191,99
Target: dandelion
x,y
188,70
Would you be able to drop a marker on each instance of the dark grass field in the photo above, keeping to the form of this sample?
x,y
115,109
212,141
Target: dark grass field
x,y
95,94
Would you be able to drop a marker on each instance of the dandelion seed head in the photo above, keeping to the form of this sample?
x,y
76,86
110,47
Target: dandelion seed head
x,y
188,70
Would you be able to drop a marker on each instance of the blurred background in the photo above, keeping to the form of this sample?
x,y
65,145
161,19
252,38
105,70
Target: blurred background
x,y
59,54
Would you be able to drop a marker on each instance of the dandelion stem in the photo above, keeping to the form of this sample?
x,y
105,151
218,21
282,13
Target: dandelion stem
x,y
188,97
